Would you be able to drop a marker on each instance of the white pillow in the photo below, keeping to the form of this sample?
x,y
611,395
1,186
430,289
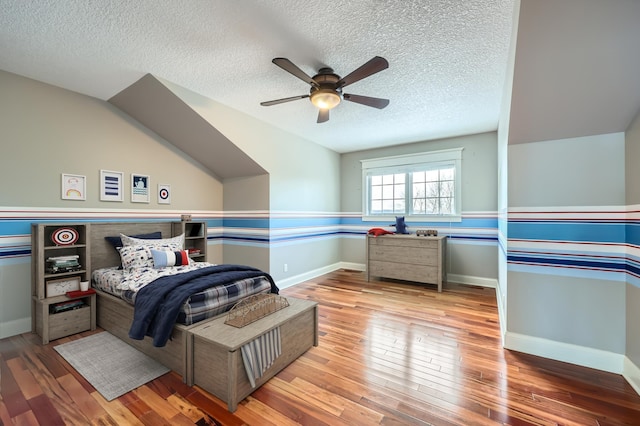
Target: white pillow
x,y
131,241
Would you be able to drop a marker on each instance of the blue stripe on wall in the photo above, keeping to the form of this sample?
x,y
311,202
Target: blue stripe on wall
x,y
244,228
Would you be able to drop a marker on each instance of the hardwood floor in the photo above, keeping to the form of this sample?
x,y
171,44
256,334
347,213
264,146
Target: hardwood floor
x,y
389,354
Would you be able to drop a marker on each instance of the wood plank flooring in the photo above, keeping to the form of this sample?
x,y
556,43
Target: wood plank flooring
x,y
390,353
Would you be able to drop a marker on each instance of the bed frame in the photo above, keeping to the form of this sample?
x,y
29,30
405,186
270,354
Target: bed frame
x,y
205,353
115,315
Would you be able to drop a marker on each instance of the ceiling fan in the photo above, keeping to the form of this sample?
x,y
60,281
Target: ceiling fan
x,y
326,86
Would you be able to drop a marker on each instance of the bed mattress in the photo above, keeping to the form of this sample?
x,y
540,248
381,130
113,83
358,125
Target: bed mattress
x,y
199,306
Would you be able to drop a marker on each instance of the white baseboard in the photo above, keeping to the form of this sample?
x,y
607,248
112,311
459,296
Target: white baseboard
x,y
565,352
632,374
502,314
15,327
471,280
297,279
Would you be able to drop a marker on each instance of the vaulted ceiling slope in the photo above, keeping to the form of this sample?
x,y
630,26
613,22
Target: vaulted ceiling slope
x,y
151,103
577,69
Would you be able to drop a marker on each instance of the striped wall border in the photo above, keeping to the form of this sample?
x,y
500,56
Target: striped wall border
x,y
601,242
247,228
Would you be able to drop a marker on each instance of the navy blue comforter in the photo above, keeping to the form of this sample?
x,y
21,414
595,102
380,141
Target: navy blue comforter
x,y
158,304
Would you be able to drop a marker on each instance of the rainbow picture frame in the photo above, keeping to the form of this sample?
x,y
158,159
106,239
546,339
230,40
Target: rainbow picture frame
x,y
74,187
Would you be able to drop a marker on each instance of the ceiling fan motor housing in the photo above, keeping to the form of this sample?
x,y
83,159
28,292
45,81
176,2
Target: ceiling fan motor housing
x,y
326,94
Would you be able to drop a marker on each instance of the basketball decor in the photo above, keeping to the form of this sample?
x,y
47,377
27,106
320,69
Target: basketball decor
x,y
64,236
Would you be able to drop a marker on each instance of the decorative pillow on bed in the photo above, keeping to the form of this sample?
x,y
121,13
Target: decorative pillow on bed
x,y
133,241
140,256
116,241
162,259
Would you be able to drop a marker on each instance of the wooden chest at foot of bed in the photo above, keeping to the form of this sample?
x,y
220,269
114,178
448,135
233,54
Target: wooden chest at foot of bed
x,y
215,356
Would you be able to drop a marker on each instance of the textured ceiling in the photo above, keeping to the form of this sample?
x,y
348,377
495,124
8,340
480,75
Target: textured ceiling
x,y
447,58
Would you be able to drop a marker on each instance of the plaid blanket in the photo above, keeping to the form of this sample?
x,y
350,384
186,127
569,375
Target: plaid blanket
x,y
157,305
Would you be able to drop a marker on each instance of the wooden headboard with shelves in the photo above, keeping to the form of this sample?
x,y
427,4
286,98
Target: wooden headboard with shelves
x,y
103,254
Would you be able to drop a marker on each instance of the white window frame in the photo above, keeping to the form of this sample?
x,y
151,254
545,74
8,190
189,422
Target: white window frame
x,y
406,164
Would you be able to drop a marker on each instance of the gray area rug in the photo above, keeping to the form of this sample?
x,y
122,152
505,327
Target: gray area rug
x,y
110,365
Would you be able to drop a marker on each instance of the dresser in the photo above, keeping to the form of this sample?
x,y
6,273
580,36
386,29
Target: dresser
x,y
407,257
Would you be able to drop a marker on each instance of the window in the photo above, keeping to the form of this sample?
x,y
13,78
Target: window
x,y
420,186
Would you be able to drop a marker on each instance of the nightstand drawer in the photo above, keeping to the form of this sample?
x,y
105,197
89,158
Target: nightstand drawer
x,y
70,322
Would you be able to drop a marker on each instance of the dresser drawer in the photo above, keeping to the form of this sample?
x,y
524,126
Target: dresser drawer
x,y
400,271
407,257
412,256
402,241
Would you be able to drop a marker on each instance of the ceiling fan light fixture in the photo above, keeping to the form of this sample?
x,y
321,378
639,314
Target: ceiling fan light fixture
x,y
325,98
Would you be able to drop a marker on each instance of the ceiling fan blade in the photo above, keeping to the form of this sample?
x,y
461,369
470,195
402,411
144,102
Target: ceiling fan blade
x,y
323,115
283,100
291,68
375,65
366,100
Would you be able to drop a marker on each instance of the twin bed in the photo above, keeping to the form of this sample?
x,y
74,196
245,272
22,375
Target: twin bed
x,y
209,294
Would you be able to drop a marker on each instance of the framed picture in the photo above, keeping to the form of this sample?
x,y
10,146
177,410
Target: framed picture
x,y
139,188
111,188
164,193
74,187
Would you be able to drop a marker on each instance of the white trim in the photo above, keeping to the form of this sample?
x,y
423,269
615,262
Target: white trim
x,y
421,157
297,279
15,327
502,313
406,163
565,352
631,373
472,280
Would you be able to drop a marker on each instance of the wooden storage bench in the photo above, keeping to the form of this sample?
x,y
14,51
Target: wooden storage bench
x,y
215,343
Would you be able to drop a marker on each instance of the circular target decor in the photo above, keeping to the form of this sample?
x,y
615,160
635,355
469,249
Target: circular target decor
x,y
164,193
64,236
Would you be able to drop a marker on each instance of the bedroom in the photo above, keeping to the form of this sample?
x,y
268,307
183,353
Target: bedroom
x,y
67,122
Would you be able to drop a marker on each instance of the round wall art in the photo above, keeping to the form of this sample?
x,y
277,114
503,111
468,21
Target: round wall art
x,y
64,236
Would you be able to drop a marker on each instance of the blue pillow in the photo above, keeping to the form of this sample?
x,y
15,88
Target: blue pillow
x,y
116,241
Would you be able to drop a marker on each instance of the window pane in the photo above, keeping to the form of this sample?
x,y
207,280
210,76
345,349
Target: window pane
x,y
447,174
431,175
431,189
387,206
376,207
376,180
399,191
418,177
446,189
446,205
376,192
387,192
387,180
399,178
